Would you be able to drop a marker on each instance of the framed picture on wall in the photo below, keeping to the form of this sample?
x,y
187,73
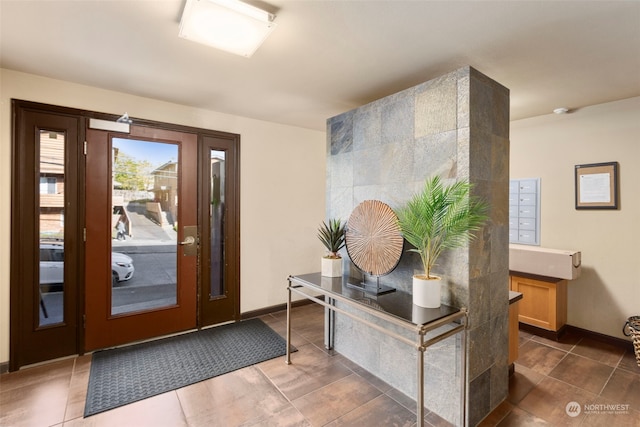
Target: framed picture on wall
x,y
597,186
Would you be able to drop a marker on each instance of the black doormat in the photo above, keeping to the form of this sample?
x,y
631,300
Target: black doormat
x,y
125,375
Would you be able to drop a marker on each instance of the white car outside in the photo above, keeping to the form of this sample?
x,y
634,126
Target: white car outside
x,y
121,267
52,265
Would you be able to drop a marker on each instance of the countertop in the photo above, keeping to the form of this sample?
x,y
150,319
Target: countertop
x,y
514,296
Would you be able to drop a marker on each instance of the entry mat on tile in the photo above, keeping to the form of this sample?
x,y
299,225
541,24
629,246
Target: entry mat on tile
x,y
125,375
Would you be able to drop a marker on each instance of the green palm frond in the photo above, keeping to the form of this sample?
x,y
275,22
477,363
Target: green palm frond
x,y
439,218
332,236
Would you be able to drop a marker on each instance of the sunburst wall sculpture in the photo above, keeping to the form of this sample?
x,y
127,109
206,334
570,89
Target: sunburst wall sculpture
x,y
373,238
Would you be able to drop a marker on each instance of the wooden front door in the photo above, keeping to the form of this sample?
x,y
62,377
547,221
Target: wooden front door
x,y
141,235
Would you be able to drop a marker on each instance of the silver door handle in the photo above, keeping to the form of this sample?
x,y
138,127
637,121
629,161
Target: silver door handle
x,y
189,240
190,233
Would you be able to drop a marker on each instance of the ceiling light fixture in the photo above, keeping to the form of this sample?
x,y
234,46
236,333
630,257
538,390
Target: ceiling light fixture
x,y
229,25
561,110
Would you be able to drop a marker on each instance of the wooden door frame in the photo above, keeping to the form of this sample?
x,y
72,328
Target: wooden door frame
x,y
229,303
23,216
17,263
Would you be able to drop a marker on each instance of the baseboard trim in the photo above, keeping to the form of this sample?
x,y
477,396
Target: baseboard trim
x,y
544,333
607,339
275,308
585,333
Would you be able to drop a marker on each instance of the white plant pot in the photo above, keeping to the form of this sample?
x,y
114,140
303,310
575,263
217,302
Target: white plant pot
x,y
426,293
331,267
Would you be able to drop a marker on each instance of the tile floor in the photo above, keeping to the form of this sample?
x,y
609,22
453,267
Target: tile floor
x,y
549,375
320,389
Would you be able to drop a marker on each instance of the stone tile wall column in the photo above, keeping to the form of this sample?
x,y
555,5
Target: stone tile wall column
x,y
456,126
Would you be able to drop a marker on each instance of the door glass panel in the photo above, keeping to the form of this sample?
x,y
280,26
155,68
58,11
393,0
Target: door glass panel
x,y
51,228
216,217
144,222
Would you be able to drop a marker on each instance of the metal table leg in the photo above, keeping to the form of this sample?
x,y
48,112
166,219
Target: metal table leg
x,y
463,372
329,324
288,355
420,391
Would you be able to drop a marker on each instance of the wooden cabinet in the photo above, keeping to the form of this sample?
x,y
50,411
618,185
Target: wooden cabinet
x,y
544,302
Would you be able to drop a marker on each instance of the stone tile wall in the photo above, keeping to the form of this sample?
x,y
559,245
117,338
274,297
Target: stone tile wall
x,y
456,126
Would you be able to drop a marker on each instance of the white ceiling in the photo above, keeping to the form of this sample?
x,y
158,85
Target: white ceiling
x,y
327,57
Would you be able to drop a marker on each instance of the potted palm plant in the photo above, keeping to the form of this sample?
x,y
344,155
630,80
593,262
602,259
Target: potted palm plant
x,y
439,217
332,237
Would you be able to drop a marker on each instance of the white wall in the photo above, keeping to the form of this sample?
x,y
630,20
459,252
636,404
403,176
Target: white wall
x,y
549,147
282,184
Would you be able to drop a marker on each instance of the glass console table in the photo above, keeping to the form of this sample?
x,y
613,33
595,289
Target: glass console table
x,y
396,308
